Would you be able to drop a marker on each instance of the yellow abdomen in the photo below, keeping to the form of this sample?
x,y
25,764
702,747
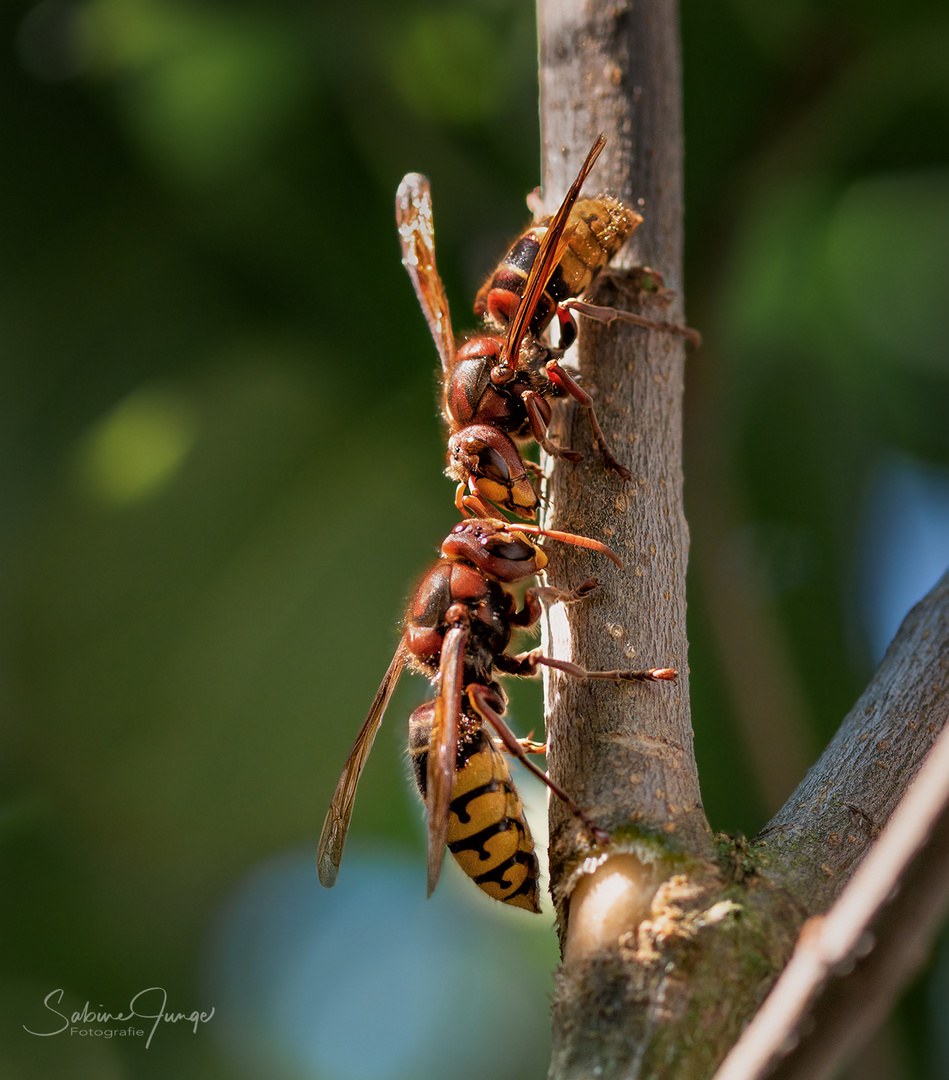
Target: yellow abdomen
x,y
488,834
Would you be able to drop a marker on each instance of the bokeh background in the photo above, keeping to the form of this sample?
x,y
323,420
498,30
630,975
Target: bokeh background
x,y
221,478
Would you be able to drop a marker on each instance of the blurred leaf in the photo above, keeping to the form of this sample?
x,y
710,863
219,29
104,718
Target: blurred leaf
x,y
202,89
137,449
446,64
888,249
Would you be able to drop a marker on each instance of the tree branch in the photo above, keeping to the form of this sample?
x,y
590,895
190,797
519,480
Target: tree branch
x,y
669,944
814,843
909,860
626,753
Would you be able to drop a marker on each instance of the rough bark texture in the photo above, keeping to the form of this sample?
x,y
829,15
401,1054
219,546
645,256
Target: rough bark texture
x,y
694,950
634,742
660,982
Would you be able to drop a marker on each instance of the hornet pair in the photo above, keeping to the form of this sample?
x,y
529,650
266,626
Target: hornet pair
x,y
496,392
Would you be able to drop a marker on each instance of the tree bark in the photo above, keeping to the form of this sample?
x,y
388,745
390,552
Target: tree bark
x,y
604,69
626,753
670,939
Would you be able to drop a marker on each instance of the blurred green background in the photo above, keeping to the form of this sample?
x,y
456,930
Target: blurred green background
x,y
221,478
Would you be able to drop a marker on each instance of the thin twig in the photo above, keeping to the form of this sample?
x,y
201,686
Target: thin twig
x,y
827,942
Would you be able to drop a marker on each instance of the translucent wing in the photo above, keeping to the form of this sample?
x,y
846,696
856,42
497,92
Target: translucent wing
x,y
443,748
338,816
413,214
548,257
